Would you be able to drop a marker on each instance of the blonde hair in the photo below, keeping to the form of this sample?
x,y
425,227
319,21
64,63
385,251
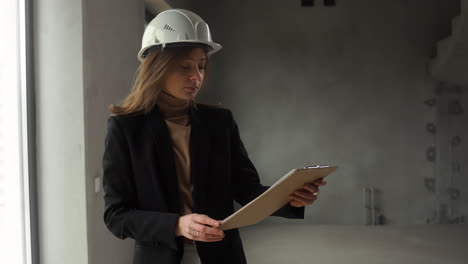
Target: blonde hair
x,y
150,79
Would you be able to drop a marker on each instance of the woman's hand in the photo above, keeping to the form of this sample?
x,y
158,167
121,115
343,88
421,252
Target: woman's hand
x,y
307,195
193,226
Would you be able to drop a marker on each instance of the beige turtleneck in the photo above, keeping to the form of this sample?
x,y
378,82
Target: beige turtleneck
x,y
175,113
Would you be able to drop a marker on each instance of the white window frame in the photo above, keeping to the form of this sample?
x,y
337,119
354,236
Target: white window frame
x,y
19,139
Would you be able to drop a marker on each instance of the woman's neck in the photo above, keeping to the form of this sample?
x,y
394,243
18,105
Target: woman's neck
x,y
172,106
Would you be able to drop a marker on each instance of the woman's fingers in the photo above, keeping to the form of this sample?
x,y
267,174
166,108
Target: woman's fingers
x,y
320,183
205,231
204,219
301,200
296,203
310,187
199,236
201,230
194,226
308,194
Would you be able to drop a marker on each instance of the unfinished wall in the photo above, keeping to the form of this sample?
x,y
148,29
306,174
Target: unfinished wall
x,y
85,60
340,85
112,38
60,131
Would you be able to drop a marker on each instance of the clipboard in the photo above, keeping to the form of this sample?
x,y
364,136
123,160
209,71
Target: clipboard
x,y
275,197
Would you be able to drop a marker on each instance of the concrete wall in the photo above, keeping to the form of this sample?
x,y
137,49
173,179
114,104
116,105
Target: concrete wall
x,y
85,60
452,52
343,85
112,39
58,47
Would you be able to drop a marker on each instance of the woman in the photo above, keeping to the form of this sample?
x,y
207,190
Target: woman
x,y
173,167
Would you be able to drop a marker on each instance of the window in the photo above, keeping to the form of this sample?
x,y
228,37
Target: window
x,y
15,241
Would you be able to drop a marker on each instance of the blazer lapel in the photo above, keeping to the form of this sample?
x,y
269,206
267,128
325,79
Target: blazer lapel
x,y
199,153
165,159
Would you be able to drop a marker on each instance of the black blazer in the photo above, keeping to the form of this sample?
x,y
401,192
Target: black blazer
x,y
140,183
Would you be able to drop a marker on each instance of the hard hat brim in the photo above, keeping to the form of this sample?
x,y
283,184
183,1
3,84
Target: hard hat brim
x,y
215,47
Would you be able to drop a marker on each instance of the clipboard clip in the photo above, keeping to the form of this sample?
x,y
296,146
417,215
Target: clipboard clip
x,y
316,167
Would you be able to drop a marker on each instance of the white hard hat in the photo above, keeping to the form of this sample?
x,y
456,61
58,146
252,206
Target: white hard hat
x,y
176,27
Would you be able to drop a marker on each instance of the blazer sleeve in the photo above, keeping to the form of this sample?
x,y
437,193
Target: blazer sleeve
x,y
245,179
121,216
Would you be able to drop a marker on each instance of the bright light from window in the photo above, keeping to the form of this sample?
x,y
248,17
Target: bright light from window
x,y
14,194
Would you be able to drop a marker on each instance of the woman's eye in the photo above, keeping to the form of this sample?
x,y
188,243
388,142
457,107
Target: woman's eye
x,y
186,68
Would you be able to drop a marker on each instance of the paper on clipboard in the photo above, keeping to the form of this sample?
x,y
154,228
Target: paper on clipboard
x,y
275,197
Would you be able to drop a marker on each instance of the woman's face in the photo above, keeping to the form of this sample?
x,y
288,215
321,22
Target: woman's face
x,y
186,76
